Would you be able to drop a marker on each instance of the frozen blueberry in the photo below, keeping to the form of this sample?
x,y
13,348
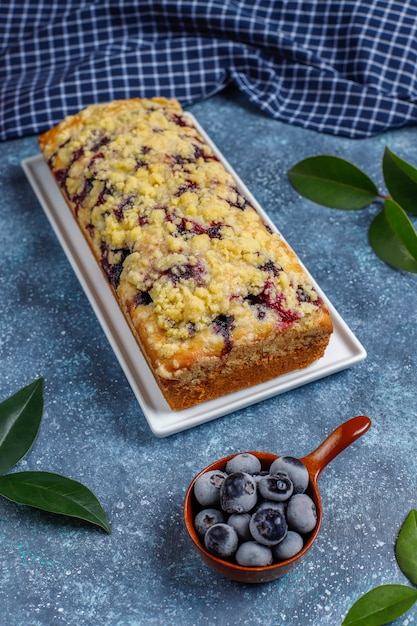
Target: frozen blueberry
x,y
221,540
206,518
288,547
253,554
238,493
207,487
295,469
240,522
277,487
268,526
244,462
301,513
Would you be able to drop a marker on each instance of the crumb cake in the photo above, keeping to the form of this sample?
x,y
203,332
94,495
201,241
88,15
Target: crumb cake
x,y
216,301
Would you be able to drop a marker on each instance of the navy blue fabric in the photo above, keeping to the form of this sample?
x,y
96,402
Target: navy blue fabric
x,y
347,67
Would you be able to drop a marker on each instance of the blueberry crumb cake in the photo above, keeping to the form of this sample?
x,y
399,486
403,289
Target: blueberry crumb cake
x,y
216,301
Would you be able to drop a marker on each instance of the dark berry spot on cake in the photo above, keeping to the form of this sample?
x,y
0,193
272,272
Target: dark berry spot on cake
x,y
102,141
186,226
105,191
143,220
240,202
142,297
179,159
125,203
113,268
179,120
77,154
270,299
79,198
302,296
186,271
223,325
271,268
199,153
95,157
190,185
213,230
258,302
61,176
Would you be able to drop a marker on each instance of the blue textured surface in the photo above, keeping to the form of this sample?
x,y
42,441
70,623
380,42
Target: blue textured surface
x,y
54,571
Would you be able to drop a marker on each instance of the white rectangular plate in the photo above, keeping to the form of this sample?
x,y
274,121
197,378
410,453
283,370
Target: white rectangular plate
x,y
343,351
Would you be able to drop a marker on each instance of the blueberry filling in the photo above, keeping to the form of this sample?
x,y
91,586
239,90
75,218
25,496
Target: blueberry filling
x,y
178,159
106,191
270,267
191,329
113,270
77,154
190,185
213,230
142,297
223,325
268,298
79,198
199,153
240,203
302,296
98,155
143,220
179,120
126,203
101,141
185,272
188,227
61,176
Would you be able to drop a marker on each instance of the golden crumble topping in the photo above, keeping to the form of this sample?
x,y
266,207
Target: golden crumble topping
x,y
171,227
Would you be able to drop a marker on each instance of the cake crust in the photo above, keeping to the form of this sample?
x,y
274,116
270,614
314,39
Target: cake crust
x,y
215,300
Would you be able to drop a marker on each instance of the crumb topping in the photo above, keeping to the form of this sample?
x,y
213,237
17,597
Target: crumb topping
x,y
172,229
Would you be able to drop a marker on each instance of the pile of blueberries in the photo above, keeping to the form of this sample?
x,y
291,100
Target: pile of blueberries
x,y
252,516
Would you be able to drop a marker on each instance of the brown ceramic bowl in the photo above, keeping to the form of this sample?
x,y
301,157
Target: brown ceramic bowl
x,y
315,462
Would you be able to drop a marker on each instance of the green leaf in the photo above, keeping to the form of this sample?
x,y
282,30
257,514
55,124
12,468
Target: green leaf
x,y
406,547
381,605
333,182
20,418
401,181
55,494
393,238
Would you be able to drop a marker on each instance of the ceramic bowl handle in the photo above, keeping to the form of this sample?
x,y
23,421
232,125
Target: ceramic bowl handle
x,y
335,443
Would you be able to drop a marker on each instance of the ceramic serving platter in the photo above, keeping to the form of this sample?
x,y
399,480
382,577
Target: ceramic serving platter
x,y
343,351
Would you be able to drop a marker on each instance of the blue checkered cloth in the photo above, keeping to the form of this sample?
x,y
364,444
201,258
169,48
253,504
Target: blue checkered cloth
x,y
347,67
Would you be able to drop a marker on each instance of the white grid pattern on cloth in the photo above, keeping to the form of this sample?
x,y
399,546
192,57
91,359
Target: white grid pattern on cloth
x,y
348,68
